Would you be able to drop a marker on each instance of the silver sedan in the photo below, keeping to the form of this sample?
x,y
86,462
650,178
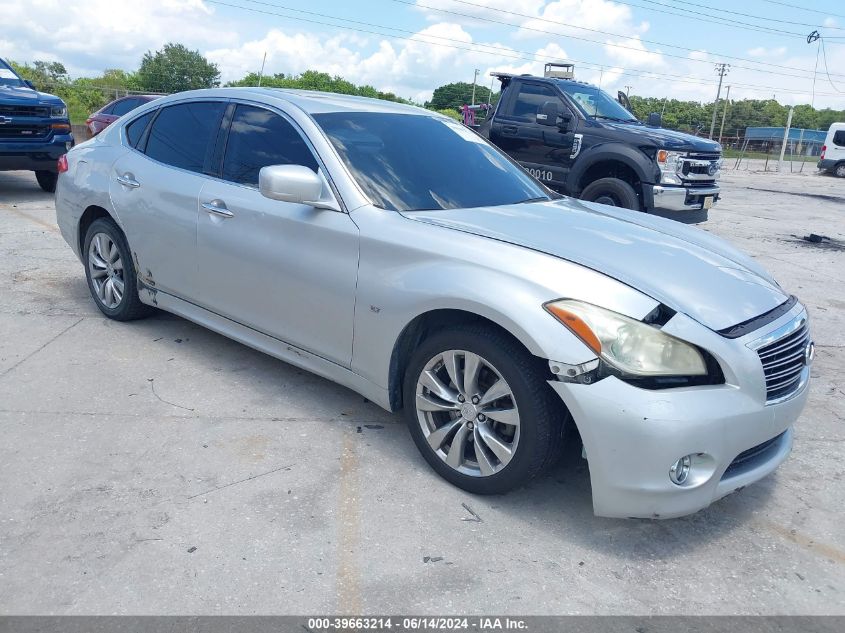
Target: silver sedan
x,y
396,252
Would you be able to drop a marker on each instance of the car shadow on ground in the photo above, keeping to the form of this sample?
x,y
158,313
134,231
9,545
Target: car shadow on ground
x,y
558,503
21,189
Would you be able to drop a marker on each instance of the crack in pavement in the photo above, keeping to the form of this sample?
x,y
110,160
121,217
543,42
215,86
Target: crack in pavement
x,y
30,355
240,481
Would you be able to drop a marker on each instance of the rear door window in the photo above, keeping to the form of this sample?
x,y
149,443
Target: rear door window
x,y
123,106
183,134
259,138
839,138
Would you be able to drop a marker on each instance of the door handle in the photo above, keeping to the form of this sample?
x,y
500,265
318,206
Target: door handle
x,y
127,181
218,207
509,129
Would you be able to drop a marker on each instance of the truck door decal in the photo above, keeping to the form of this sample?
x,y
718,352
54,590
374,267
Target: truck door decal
x,y
576,145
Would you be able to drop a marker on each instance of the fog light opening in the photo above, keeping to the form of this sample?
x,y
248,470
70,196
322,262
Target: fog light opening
x,y
680,470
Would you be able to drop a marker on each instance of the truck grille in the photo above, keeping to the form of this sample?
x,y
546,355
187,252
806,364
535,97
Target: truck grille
x,y
22,110
705,155
23,131
700,166
784,361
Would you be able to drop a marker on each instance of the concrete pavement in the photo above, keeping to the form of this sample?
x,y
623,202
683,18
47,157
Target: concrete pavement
x,y
155,467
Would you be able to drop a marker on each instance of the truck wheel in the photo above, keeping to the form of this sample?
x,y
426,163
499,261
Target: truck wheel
x,y
47,180
839,170
612,192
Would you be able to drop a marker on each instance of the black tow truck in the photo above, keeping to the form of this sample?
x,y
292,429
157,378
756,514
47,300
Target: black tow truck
x,y
581,142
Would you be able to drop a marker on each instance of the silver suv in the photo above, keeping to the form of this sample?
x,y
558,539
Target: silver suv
x,y
396,252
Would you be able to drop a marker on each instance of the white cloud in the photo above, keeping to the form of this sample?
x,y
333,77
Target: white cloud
x,y
91,35
97,34
438,54
471,10
635,54
561,16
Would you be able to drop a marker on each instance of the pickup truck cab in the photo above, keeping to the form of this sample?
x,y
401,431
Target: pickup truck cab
x,y
581,142
34,128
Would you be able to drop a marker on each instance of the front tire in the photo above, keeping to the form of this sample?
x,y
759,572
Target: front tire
x,y
612,192
47,180
111,273
480,411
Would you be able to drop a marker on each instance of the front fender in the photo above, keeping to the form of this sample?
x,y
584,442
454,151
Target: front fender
x,y
414,268
607,152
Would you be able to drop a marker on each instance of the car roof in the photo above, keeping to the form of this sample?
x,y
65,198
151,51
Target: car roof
x,y
310,101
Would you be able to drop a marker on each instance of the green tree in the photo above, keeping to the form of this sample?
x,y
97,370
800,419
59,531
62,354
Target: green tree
x,y
454,95
315,80
44,75
175,68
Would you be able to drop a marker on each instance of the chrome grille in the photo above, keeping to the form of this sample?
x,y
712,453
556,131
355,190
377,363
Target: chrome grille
x,y
784,360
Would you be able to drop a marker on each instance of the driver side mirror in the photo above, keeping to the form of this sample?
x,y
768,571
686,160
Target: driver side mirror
x,y
654,120
549,114
293,183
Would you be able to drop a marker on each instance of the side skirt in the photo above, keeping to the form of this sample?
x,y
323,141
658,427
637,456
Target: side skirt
x,y
267,344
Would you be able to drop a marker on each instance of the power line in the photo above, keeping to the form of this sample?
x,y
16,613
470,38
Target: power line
x,y
613,44
827,72
758,17
722,21
800,8
492,49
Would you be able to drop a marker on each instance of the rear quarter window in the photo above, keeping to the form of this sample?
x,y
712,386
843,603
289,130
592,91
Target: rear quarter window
x,y
135,130
839,138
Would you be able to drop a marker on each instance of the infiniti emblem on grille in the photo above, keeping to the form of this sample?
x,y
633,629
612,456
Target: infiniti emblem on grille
x,y
809,353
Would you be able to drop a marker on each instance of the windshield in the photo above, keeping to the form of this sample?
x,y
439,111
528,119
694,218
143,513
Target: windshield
x,y
8,76
595,103
409,162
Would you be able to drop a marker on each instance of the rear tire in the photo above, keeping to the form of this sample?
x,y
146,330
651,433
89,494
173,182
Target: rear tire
x,y
110,272
464,417
839,170
613,192
47,180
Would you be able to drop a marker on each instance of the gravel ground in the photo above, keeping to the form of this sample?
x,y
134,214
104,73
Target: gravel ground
x,y
157,468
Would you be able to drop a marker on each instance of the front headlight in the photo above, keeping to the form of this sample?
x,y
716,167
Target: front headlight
x,y
58,112
669,164
632,347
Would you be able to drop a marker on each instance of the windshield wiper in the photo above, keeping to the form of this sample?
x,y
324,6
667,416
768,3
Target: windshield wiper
x,y
537,199
613,118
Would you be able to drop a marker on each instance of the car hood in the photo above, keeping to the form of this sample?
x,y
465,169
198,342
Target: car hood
x,y
682,267
666,139
22,95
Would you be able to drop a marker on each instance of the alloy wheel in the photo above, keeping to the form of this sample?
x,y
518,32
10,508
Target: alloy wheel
x,y
106,269
468,413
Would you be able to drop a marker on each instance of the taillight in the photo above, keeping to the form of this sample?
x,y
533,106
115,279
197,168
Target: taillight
x,y
824,149
62,163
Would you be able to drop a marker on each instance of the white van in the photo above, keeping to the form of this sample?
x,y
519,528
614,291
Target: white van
x,y
833,151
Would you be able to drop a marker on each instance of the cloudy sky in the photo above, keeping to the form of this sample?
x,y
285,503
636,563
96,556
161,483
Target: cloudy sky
x,y
657,47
